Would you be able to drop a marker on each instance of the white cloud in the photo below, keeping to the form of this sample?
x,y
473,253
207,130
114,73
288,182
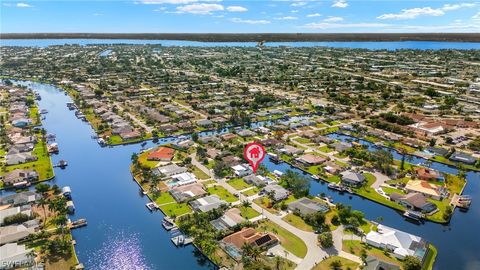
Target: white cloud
x,y
314,15
24,5
333,19
287,18
298,4
236,9
160,9
448,7
325,25
476,16
413,13
175,2
200,8
294,11
340,4
238,20
97,14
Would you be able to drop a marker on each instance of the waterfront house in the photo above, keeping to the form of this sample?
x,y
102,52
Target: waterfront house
x,y
437,151
341,146
21,198
351,178
414,201
290,150
24,209
248,236
310,160
161,154
228,220
207,203
168,170
428,174
306,206
19,158
205,123
130,135
332,167
20,177
182,179
12,255
276,192
20,148
400,243
374,263
187,192
463,157
14,233
426,188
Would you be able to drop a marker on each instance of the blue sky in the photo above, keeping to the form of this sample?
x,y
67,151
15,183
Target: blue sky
x,y
200,16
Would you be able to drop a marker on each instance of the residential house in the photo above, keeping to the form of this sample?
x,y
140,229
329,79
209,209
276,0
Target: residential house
x,y
13,255
290,150
24,209
168,170
430,190
228,220
351,178
161,154
19,158
14,233
463,157
276,192
428,174
401,244
242,170
306,206
374,263
21,198
414,201
341,146
207,203
248,236
310,159
20,177
187,192
182,179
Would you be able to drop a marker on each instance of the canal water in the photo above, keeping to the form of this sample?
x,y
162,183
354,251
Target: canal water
x,y
123,234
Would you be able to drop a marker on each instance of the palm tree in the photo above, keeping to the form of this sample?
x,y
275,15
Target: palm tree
x,y
278,262
43,202
255,252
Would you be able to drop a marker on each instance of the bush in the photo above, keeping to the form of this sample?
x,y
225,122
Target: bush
x,y
325,239
17,218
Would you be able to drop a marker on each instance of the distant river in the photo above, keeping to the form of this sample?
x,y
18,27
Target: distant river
x,y
421,45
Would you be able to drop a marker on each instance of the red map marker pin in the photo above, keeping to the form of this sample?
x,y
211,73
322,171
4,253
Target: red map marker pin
x,y
254,153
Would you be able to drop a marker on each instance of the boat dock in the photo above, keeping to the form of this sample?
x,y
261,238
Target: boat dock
x,y
78,223
180,240
151,206
461,201
168,224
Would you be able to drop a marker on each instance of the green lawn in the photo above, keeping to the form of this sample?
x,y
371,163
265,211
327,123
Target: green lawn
x,y
175,209
334,179
325,149
297,222
164,198
431,256
251,191
302,140
368,192
238,184
43,165
142,159
346,264
199,173
222,193
355,247
288,240
248,212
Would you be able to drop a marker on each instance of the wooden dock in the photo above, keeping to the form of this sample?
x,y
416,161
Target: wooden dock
x,y
461,201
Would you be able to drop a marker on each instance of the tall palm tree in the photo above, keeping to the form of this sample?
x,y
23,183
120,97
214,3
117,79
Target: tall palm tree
x,y
43,202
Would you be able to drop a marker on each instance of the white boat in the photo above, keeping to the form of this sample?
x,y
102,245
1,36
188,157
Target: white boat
x,y
151,206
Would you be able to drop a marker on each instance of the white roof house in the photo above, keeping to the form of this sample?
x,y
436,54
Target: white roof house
x,y
241,170
25,209
400,243
12,255
183,179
